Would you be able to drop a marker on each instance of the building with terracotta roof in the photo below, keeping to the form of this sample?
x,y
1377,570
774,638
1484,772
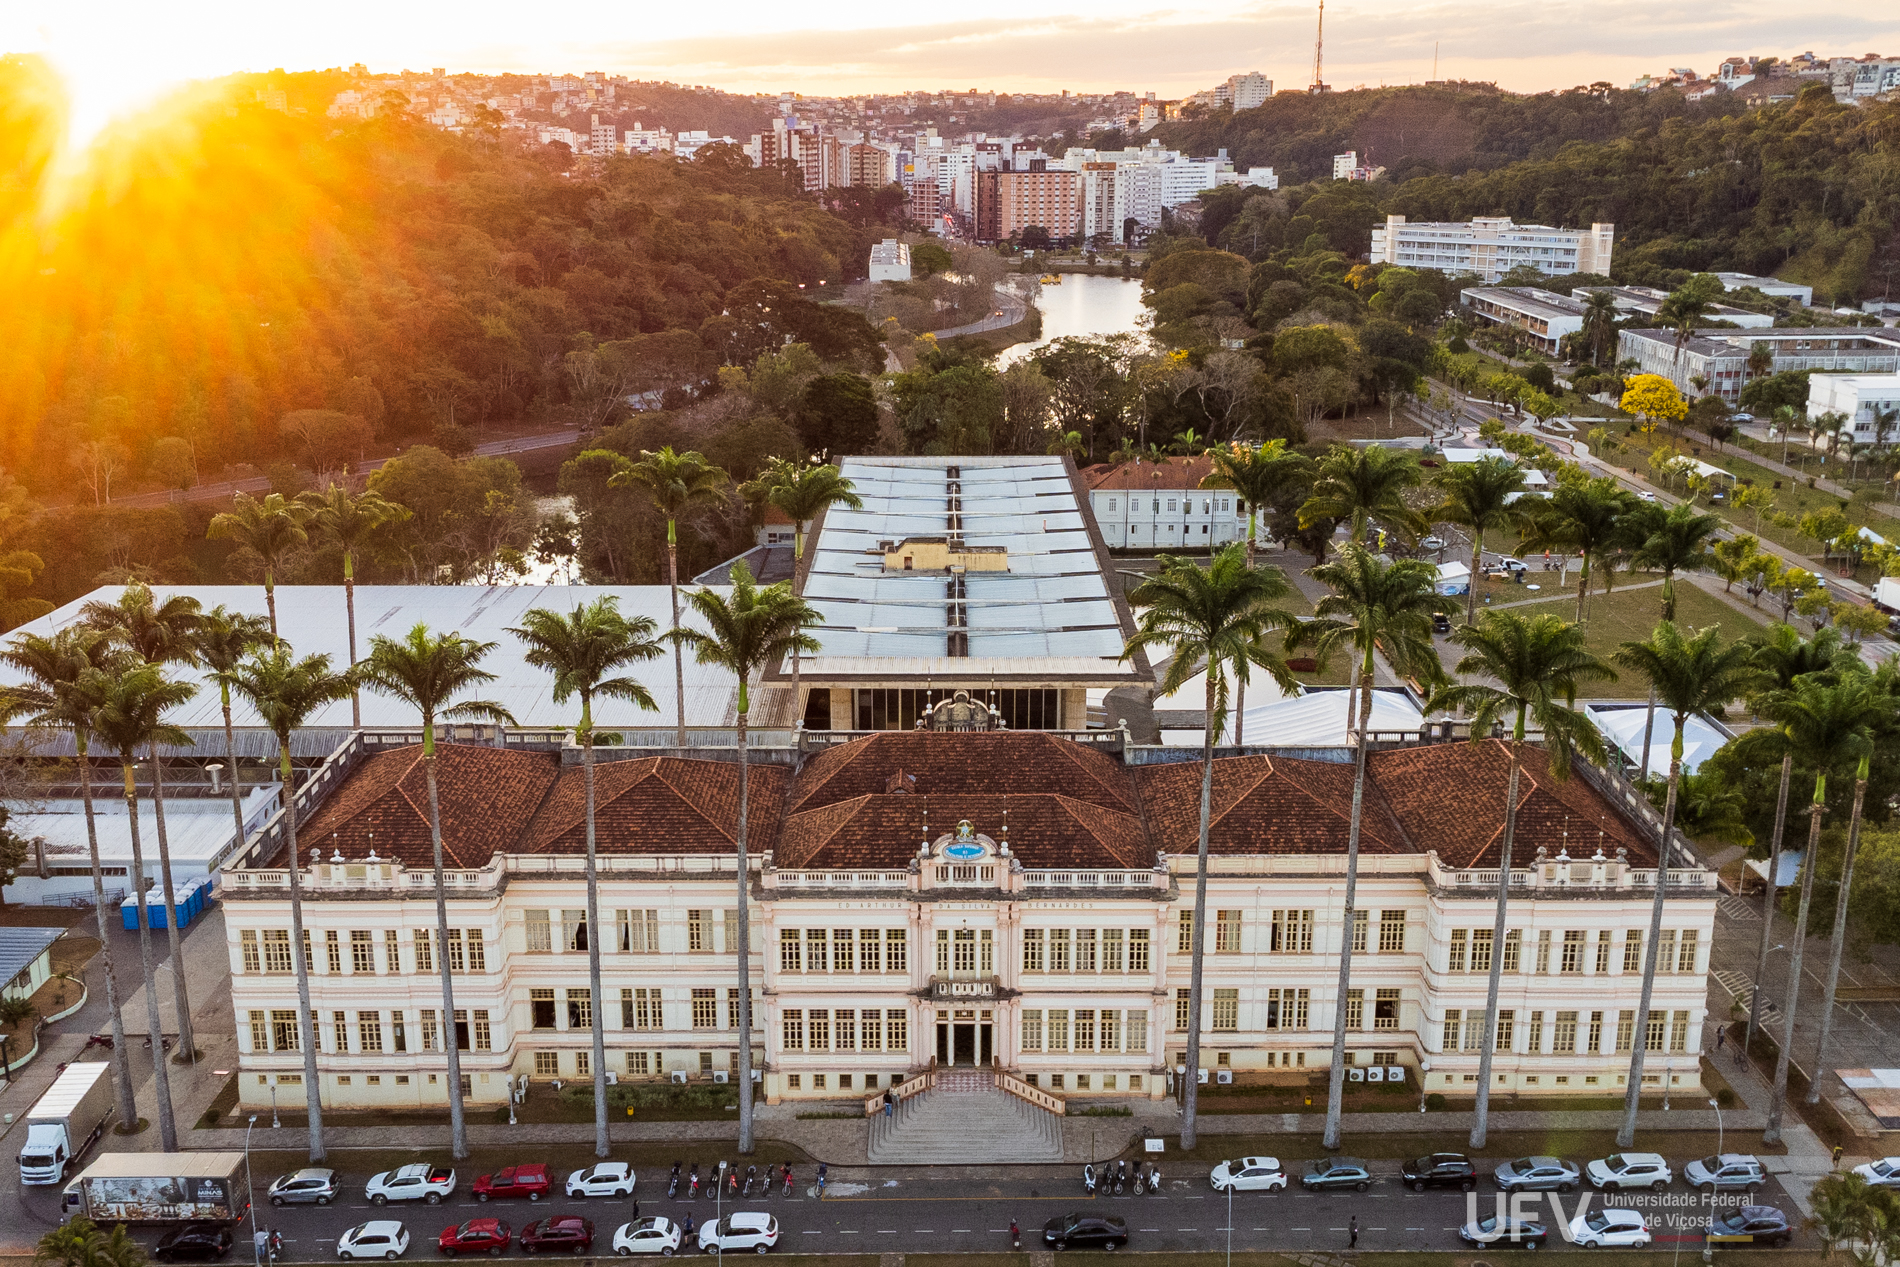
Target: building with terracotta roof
x,y
964,895
1143,505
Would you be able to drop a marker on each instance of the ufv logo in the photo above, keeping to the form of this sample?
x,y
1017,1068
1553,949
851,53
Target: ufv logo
x,y
1520,1208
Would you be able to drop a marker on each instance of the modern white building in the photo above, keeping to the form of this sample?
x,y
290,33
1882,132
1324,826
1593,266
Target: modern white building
x,y
1243,92
1774,287
1492,246
1144,505
1543,315
1871,403
890,261
1722,356
1648,301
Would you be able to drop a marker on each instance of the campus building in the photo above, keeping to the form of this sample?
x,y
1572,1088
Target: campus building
x,y
1491,246
1721,356
1144,505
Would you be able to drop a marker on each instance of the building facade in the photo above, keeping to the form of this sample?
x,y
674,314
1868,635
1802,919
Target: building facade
x,y
1543,315
1721,356
1009,201
1161,506
1492,246
972,898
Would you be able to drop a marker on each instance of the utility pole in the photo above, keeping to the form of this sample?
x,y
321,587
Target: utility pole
x,y
1319,49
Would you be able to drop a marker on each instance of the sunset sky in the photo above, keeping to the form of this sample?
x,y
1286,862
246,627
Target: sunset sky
x,y
117,53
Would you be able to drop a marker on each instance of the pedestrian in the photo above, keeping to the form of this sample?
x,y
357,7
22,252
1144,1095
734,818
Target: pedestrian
x,y
1721,1037
636,1211
889,1102
1838,1150
1352,1240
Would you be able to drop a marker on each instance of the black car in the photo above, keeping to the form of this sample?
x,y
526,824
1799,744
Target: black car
x,y
193,1242
1085,1231
1752,1225
1336,1172
1441,623
1441,1170
1510,1233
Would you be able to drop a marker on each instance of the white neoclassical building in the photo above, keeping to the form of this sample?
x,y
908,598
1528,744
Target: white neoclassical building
x,y
975,898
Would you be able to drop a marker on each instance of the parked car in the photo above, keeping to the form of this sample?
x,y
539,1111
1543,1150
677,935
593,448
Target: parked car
x,y
417,1182
313,1185
193,1243
1727,1172
1432,543
378,1238
648,1236
558,1233
1084,1231
1441,623
1537,1174
477,1236
1441,1170
744,1230
1513,1233
1336,1172
1752,1225
1629,1170
1884,1173
1609,1226
531,1181
1249,1174
603,1179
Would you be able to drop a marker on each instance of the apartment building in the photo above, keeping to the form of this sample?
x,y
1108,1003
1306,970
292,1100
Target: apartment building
x,y
1161,506
1721,356
1491,246
1009,201
1869,402
1243,92
966,895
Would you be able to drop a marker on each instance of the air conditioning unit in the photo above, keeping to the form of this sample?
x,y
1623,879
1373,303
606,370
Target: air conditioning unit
x,y
613,1078
556,1084
1375,1074
1356,1074
758,1075
679,1076
1225,1077
1201,1076
720,1076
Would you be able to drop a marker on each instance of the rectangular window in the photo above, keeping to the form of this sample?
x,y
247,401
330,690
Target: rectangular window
x,y
640,1008
333,950
792,1029
428,1029
696,931
580,1008
1059,950
1084,1029
392,952
1183,1002
541,1007
1184,941
1385,1009
581,1063
1355,1009
636,1062
1058,1029
1112,959
818,1028
637,932
1227,933
425,950
1633,950
457,962
1481,949
1454,1018
1138,950
340,1031
540,933
1653,1031
1685,951
547,1064
706,1009
1572,961
870,957
284,1035
1391,932
1595,1038
1032,950
1625,1030
398,1035
362,951
896,950
1679,1031
1135,1031
1543,952
964,946
247,944
574,932
1085,950
732,1006
1032,1029
1291,933
1534,1039
1604,942
791,951
817,956
1111,1030
1666,951
844,1030
260,1032
1564,1039
369,1031
477,953
1513,945
1456,961
896,1030
729,930
871,1030
841,957
1361,925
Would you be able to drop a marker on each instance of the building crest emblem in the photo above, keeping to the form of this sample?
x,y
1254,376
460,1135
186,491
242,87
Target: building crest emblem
x,y
965,846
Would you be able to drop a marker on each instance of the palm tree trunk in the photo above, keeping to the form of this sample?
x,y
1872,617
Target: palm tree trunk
x,y
1817,809
349,614
270,601
1336,1076
744,952
1768,903
1840,934
679,653
1583,586
230,759
181,996
1471,590
121,1058
1649,730
1482,1108
1191,1078
798,702
307,1038
1633,1092
162,1089
598,1003
451,1042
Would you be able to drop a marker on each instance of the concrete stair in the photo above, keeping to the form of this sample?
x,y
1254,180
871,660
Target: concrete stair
x,y
964,1121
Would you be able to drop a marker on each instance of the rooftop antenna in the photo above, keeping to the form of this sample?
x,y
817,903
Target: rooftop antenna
x,y
1319,49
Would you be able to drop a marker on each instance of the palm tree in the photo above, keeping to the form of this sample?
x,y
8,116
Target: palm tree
x,y
678,483
1375,606
745,631
223,638
1781,656
1213,615
1581,518
804,492
270,529
1683,312
1537,662
61,676
285,692
580,650
1365,483
1667,541
159,633
1599,321
426,671
1255,472
1691,673
128,710
346,521
1481,496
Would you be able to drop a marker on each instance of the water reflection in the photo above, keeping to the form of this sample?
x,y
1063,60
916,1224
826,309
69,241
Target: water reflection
x,y
1084,307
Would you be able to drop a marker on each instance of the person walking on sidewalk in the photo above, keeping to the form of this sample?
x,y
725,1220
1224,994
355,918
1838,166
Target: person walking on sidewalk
x,y
1721,1037
1835,1164
888,1102
1352,1233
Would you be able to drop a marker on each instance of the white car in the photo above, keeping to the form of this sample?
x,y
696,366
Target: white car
x,y
1249,1174
1629,1170
648,1236
1884,1173
739,1231
605,1179
378,1238
1609,1226
417,1182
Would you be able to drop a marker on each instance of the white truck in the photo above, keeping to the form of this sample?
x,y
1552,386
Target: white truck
x,y
1887,595
65,1122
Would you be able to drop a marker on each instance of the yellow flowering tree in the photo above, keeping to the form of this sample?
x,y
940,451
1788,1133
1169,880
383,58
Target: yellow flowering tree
x,y
1653,398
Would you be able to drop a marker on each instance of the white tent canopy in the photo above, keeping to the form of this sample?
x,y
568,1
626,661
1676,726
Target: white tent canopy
x,y
1191,695
1316,719
1623,726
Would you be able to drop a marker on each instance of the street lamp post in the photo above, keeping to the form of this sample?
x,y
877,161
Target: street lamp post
x,y
250,1193
1230,1225
274,1123
1424,1067
1708,1243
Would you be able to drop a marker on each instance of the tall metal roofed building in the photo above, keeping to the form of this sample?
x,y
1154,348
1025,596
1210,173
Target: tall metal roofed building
x,y
981,575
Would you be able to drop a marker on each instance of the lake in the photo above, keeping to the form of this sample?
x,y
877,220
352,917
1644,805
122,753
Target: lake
x,y
1083,306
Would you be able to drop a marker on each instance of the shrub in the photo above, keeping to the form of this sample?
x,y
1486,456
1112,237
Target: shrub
x,y
1435,1101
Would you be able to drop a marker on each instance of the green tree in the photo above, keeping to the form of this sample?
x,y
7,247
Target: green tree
x,y
1537,664
1362,484
1582,517
269,529
1689,674
1483,496
837,414
1256,473
1599,321
221,641
678,484
15,853
746,630
805,490
1667,541
427,671
580,650
347,522
1212,617
1735,560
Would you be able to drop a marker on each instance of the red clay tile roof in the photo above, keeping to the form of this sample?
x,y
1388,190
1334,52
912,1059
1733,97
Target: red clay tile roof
x,y
1045,830
1266,805
659,805
1177,472
1019,762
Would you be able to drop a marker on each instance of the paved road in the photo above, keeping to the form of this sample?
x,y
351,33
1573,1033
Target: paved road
x,y
966,1210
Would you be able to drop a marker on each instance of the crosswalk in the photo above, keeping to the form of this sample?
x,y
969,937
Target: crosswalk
x,y
1739,908
1744,993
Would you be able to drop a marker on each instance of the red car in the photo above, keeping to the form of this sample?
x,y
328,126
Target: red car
x,y
531,1181
558,1233
477,1236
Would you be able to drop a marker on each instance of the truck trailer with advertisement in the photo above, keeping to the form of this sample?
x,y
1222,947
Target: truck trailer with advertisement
x,y
66,1121
162,1188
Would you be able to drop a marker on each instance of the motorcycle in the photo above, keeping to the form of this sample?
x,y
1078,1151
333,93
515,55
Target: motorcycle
x,y
276,1244
788,1179
822,1168
673,1183
1154,1179
692,1193
1121,1176
1015,1235
732,1182
751,1177
1088,1179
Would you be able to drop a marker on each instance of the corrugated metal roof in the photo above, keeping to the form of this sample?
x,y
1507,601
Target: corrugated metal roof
x,y
19,947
